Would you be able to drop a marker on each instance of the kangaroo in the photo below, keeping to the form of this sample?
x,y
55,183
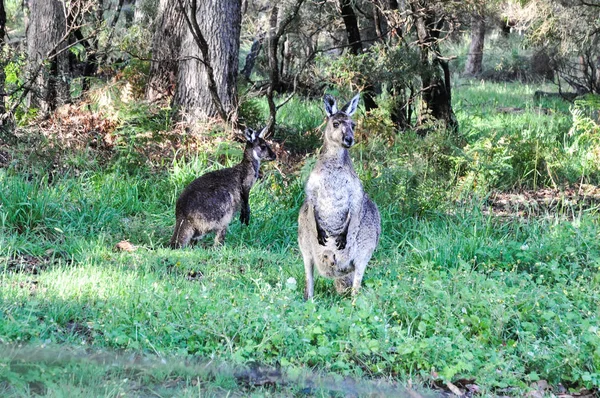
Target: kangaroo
x,y
210,201
338,225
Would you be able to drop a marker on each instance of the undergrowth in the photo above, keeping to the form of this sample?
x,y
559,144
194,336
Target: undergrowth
x,y
453,291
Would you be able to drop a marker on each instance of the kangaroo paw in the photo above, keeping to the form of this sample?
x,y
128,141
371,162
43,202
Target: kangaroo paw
x,y
340,242
321,236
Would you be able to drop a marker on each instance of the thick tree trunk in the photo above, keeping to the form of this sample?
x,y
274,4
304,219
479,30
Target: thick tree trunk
x,y
436,99
353,34
46,37
166,46
219,22
475,56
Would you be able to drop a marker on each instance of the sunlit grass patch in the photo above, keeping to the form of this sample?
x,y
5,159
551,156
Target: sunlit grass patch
x,y
452,292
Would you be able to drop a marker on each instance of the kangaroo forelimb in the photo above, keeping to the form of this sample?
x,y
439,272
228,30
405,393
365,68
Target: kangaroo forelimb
x,y
321,234
340,241
245,211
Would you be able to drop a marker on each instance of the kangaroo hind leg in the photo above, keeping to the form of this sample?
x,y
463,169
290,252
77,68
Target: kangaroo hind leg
x,y
184,231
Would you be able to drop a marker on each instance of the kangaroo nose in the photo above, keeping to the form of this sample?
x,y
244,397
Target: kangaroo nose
x,y
348,141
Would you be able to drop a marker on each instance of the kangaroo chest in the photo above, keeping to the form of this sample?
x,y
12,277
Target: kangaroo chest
x,y
336,191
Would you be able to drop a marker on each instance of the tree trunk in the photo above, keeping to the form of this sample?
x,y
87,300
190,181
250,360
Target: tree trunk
x,y
353,34
351,24
2,64
166,46
220,23
277,29
401,107
436,99
90,65
252,55
273,46
46,37
475,57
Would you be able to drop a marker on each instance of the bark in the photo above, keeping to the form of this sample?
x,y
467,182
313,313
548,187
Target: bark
x,y
475,56
252,55
273,45
436,95
90,65
2,63
351,24
111,31
46,37
353,34
276,29
166,46
207,77
401,109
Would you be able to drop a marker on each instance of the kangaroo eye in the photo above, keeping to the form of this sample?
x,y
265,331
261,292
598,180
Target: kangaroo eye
x,y
336,125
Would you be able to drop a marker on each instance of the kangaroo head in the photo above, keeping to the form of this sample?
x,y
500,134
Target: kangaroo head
x,y
340,126
256,143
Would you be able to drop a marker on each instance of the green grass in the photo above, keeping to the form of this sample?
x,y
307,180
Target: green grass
x,y
451,292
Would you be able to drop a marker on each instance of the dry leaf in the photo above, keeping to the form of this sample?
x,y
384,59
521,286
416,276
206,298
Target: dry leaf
x,y
455,390
125,246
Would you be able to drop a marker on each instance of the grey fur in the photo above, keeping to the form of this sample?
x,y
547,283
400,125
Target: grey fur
x,y
210,201
338,225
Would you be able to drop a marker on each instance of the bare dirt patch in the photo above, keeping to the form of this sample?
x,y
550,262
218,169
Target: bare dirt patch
x,y
565,201
27,264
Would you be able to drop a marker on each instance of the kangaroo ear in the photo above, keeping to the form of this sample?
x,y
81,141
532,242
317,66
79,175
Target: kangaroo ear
x,y
263,132
351,106
330,105
250,135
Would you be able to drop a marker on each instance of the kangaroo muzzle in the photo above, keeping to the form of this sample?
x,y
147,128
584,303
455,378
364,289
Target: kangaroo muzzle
x,y
348,141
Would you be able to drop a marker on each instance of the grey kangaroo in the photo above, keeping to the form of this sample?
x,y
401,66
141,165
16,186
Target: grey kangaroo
x,y
210,201
338,225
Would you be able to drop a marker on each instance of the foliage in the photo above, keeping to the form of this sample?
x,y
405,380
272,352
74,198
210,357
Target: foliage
x,y
584,147
396,65
570,30
452,292
509,145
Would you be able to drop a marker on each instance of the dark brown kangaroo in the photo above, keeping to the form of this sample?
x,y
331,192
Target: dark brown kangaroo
x,y
210,201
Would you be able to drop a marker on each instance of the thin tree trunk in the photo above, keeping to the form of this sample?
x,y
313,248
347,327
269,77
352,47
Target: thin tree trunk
x,y
436,101
351,24
207,78
475,56
273,45
111,31
252,55
355,43
276,30
166,46
46,36
2,62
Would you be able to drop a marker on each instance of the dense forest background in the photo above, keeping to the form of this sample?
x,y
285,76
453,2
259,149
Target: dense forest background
x,y
477,137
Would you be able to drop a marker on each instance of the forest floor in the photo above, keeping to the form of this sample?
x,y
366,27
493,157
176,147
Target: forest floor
x,y
485,282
